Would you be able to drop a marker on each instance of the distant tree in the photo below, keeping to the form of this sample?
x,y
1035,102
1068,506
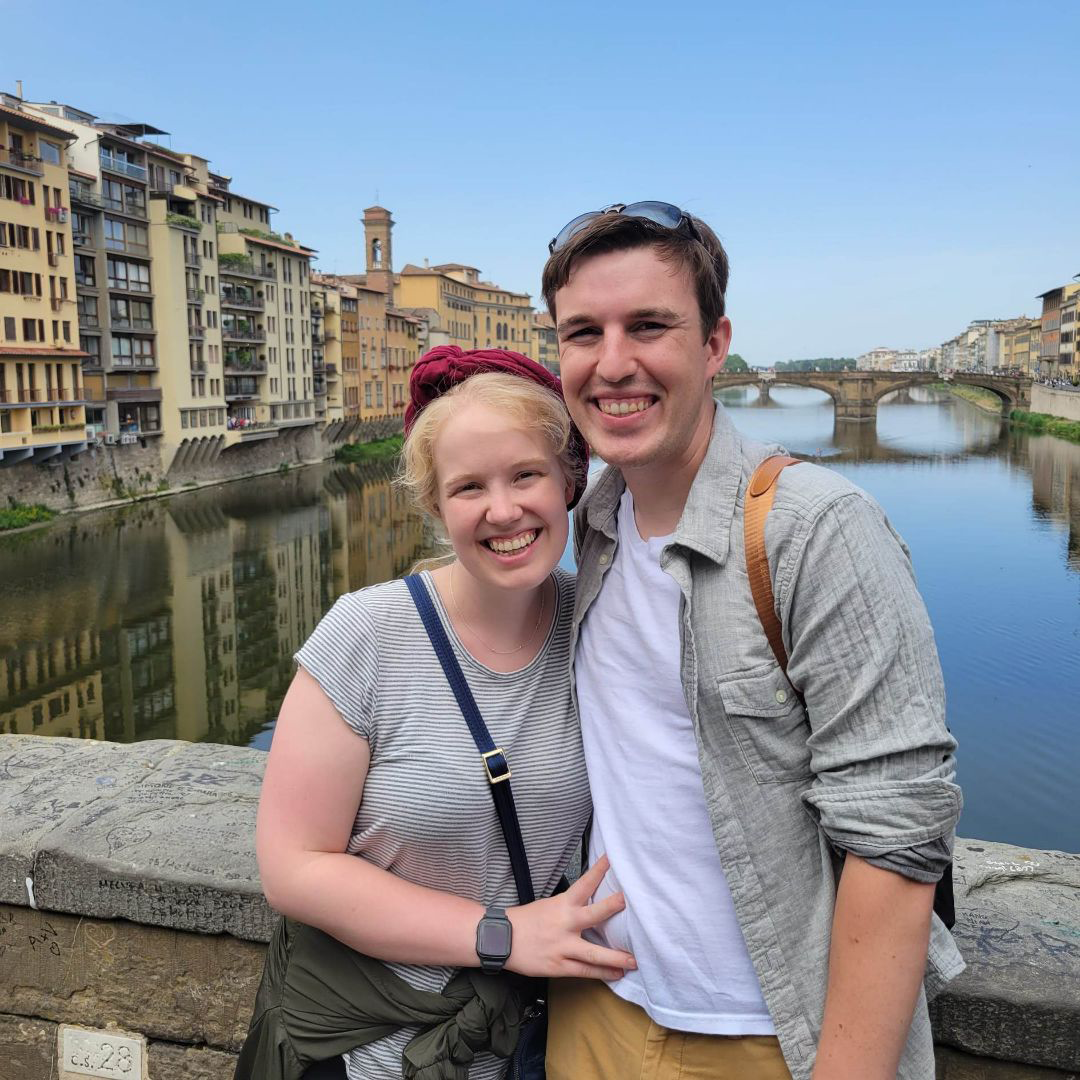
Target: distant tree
x,y
822,363
735,364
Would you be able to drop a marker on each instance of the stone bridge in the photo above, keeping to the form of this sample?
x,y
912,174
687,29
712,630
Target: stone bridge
x,y
856,394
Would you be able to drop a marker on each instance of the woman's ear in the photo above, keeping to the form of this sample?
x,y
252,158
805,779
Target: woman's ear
x,y
571,487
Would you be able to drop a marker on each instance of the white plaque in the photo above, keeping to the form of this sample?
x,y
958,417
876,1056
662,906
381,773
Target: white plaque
x,y
101,1053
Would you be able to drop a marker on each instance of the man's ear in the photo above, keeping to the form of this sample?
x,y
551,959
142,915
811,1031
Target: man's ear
x,y
717,345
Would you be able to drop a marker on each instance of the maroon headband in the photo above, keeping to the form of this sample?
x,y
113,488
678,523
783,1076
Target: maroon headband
x,y
447,365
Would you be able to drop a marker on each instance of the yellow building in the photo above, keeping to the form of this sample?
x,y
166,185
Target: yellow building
x,y
326,362
402,352
337,336
1019,345
545,341
42,400
350,352
456,307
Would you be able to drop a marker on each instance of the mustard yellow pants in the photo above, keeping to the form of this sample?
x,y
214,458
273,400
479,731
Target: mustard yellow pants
x,y
594,1035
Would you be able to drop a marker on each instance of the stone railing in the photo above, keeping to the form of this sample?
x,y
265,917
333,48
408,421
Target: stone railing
x,y
130,905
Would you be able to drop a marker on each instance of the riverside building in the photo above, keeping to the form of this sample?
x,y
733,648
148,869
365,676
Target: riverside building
x,y
193,313
42,391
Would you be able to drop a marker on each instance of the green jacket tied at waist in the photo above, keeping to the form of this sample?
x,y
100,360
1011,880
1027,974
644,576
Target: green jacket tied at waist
x,y
318,999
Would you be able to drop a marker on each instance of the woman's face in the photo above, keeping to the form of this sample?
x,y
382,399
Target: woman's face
x,y
502,497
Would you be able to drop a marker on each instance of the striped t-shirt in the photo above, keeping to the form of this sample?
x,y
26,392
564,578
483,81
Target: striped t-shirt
x,y
426,813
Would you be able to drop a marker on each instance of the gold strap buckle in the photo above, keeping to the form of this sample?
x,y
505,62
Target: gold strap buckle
x,y
497,752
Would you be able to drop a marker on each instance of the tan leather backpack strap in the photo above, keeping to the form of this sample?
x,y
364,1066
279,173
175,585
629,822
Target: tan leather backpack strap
x,y
760,493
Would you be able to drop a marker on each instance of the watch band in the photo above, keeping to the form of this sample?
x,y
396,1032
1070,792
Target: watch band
x,y
494,939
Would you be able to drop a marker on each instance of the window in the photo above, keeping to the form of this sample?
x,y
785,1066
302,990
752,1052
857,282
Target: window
x,y
48,152
9,328
85,271
134,277
33,330
131,352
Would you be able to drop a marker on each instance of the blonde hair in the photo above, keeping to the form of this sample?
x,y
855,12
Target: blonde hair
x,y
530,404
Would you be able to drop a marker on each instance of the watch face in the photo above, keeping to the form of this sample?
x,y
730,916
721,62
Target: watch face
x,y
494,938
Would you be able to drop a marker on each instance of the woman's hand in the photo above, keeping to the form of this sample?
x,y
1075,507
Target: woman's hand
x,y
547,937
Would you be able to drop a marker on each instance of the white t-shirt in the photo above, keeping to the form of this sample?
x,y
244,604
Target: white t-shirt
x,y
649,813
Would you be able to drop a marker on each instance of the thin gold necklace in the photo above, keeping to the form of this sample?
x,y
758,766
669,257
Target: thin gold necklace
x,y
472,629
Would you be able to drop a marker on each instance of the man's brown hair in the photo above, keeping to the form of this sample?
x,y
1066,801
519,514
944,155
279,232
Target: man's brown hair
x,y
704,260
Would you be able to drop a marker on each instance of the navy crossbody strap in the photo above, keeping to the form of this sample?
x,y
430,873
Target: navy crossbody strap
x,y
495,763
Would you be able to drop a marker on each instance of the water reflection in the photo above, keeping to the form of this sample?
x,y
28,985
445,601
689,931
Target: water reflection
x,y
178,619
992,516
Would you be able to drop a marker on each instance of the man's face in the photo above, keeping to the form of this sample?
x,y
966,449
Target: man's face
x,y
635,371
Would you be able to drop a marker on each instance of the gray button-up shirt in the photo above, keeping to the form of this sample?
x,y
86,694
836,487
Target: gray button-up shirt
x,y
867,766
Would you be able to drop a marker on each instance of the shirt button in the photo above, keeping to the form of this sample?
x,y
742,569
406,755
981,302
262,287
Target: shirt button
x,y
605,559
781,696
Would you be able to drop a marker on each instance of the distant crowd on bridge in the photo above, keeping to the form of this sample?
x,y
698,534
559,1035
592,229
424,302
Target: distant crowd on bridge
x,y
1059,384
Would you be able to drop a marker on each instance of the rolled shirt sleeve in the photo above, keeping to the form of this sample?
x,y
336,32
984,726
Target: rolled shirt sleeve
x,y
861,651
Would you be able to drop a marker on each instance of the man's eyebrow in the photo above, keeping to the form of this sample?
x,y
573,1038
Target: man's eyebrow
x,y
574,321
666,314
661,313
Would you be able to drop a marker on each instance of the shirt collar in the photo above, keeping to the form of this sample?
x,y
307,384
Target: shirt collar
x,y
705,524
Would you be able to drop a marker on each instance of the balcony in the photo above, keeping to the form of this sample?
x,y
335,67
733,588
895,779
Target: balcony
x,y
319,385
317,338
133,393
234,364
195,296
196,332
232,298
331,371
198,367
318,365
192,258
56,213
43,396
88,321
118,322
81,194
241,389
81,239
133,363
117,206
229,267
242,332
127,247
16,159
124,168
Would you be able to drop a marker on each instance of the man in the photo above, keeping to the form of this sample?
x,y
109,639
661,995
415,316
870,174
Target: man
x,y
778,860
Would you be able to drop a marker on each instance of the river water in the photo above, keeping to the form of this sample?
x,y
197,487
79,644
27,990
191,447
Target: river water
x,y
178,618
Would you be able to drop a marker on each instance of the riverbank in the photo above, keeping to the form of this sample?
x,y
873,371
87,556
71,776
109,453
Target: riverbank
x,y
130,905
975,395
20,516
105,475
1045,424
377,450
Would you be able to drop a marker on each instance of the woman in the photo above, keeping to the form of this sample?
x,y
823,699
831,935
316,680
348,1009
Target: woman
x,y
371,756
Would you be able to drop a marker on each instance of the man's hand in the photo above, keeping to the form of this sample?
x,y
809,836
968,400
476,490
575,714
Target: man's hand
x,y
547,937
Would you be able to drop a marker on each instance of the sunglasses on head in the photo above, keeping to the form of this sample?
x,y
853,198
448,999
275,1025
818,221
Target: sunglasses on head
x,y
659,213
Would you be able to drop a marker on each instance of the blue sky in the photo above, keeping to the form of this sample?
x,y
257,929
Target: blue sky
x,y
880,174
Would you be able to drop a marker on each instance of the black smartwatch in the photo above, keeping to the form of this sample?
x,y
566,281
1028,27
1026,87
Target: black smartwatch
x,y
494,936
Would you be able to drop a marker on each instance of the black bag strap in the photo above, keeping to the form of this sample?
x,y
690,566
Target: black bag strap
x,y
494,758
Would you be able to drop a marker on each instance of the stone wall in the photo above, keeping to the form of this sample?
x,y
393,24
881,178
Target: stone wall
x,y
1064,403
148,919
106,474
